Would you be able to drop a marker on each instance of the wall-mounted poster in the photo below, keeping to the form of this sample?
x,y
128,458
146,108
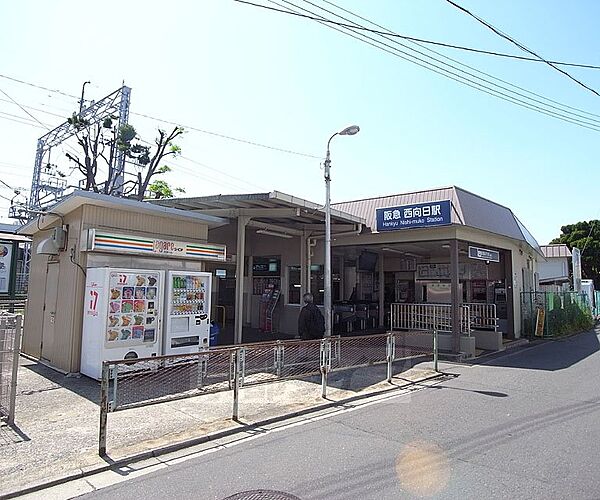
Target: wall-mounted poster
x,y
5,261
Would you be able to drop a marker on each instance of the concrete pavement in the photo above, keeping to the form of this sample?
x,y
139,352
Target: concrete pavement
x,y
524,425
57,420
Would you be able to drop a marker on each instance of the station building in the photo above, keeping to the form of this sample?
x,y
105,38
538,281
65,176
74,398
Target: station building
x,y
443,259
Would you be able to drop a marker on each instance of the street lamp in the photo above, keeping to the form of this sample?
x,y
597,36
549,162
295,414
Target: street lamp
x,y
352,130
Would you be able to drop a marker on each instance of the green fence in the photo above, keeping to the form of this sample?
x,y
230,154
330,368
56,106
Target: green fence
x,y
564,312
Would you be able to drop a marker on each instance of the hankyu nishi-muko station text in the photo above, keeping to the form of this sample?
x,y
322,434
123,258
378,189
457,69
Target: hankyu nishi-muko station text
x,y
413,213
434,213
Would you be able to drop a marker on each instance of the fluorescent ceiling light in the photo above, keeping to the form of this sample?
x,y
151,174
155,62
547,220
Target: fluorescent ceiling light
x,y
393,250
273,233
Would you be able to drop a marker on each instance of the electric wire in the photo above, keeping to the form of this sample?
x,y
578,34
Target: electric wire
x,y
460,63
224,136
521,46
457,77
187,127
422,40
588,236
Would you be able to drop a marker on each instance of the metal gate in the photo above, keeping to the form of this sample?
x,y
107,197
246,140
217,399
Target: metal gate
x,y
10,341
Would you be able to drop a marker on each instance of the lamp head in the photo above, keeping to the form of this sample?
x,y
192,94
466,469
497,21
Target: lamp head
x,y
351,130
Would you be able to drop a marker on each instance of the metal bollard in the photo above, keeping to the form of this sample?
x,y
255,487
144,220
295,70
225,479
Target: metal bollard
x,y
435,350
15,368
238,374
103,410
391,354
325,355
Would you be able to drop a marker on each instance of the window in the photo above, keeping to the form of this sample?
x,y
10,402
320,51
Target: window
x,y
294,285
316,284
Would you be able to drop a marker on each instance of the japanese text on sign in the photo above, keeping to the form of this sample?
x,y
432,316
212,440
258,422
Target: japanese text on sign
x,y
418,215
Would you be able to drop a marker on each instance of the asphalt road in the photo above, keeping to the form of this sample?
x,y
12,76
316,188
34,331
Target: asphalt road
x,y
525,425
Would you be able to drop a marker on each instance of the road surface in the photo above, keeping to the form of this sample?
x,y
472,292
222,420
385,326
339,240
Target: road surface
x,y
524,425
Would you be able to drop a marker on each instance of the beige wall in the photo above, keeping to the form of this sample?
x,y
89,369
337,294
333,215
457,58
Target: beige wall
x,y
66,350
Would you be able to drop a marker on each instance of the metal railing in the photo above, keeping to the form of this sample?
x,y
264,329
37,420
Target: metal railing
x,y
483,316
13,306
428,317
10,342
132,383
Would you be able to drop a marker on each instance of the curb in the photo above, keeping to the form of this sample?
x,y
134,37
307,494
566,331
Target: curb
x,y
90,471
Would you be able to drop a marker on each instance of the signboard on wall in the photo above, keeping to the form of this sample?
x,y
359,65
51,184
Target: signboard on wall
x,y
5,265
120,243
484,254
435,213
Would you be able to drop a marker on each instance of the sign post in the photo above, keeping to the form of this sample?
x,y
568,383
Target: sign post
x,y
576,254
539,324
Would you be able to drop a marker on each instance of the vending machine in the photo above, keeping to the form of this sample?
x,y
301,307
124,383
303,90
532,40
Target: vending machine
x,y
187,321
122,316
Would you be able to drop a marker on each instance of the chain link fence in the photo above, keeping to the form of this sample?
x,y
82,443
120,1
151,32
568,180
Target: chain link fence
x,y
562,313
10,342
132,383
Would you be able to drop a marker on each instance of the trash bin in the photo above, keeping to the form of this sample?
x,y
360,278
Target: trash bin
x,y
215,329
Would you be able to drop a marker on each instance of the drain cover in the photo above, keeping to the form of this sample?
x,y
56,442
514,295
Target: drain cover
x,y
262,495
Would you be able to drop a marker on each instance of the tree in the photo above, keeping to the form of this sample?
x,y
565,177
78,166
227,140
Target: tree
x,y
101,143
585,236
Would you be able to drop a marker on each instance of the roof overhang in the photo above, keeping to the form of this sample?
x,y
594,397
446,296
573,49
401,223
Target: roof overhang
x,y
79,198
274,208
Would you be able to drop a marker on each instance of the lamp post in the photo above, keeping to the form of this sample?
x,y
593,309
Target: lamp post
x,y
352,130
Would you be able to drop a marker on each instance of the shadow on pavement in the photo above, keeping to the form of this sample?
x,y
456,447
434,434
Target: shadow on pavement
x,y
80,384
11,434
551,355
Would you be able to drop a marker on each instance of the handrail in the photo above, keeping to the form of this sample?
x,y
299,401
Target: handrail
x,y
429,317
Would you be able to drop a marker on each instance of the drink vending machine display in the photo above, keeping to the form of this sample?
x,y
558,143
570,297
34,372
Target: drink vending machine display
x,y
122,316
188,316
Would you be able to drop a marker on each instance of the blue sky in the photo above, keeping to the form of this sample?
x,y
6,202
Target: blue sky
x,y
266,77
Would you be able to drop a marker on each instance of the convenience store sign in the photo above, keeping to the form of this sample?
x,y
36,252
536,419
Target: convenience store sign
x,y
105,242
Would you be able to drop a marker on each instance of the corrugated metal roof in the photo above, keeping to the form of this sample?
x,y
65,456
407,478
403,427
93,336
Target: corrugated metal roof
x,y
468,209
556,250
310,213
79,198
366,208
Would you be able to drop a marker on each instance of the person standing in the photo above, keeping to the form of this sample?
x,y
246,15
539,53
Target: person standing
x,y
311,323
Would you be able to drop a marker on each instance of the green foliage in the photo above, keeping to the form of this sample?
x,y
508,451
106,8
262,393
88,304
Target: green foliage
x,y
160,189
584,235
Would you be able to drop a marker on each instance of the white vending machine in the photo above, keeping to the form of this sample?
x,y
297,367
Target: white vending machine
x,y
187,320
122,316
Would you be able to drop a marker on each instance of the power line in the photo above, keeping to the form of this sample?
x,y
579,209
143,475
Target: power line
x,y
2,182
456,61
190,127
36,109
588,236
224,136
20,121
25,110
521,46
421,40
460,78
38,86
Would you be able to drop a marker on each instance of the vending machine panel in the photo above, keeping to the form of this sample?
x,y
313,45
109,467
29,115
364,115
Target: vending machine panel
x,y
188,314
122,316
